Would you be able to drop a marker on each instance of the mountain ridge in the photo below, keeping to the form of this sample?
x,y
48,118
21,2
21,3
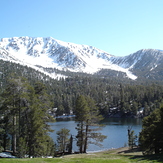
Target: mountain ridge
x,y
48,52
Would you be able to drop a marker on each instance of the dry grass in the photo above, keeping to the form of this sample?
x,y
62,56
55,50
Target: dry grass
x,y
120,155
108,154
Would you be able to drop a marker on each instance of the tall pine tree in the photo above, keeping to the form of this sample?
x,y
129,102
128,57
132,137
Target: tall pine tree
x,y
87,118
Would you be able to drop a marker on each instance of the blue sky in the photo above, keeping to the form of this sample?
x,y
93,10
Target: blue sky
x,y
119,27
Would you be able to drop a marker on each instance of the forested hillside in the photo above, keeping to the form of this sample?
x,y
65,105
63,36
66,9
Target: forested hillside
x,y
112,95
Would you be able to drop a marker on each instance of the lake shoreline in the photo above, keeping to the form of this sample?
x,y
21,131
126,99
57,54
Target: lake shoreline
x,y
120,150
116,130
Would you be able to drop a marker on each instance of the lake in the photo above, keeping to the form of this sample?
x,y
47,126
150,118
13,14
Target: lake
x,y
115,129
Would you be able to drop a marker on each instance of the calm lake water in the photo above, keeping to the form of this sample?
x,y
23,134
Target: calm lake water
x,y
115,129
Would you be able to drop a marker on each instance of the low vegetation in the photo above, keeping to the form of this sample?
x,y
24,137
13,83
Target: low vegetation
x,y
122,155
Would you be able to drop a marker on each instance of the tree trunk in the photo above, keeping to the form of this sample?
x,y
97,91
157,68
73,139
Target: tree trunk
x,y
157,150
70,146
86,139
14,135
4,141
81,143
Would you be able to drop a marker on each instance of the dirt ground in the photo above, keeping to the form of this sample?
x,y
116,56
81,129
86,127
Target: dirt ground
x,y
127,151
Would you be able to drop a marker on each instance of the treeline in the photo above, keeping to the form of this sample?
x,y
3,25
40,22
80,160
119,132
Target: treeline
x,y
125,95
108,93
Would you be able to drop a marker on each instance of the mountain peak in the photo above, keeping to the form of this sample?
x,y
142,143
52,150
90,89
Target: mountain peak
x,y
55,51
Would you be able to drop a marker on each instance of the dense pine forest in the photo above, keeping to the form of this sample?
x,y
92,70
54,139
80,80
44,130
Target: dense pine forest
x,y
112,95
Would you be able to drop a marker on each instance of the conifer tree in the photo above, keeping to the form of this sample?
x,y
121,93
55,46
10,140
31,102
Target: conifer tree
x,y
62,139
38,118
11,107
87,115
132,138
151,136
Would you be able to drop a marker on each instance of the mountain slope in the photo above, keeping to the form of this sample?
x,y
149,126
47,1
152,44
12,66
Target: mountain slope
x,y
53,57
149,58
51,53
145,63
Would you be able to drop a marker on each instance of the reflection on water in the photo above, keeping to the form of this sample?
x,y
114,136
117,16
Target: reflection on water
x,y
122,121
114,128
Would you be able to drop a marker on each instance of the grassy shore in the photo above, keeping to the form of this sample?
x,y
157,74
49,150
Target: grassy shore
x,y
121,155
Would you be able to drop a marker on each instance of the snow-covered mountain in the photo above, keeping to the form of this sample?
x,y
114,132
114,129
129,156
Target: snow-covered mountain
x,y
145,63
51,53
145,58
40,53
